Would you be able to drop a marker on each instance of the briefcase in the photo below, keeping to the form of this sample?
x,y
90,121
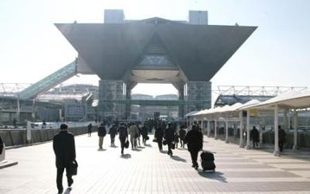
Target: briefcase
x,y
73,168
126,145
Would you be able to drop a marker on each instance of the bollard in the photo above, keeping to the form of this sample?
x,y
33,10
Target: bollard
x,y
28,132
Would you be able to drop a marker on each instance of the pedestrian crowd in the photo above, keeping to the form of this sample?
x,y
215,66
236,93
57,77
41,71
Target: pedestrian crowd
x,y
130,134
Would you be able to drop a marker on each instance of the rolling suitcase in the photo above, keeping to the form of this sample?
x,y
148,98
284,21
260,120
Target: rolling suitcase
x,y
207,160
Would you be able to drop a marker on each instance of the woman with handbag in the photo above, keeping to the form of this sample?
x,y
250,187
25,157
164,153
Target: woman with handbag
x,y
123,136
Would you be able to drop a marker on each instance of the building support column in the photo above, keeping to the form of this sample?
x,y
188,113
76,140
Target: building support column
x,y
208,128
241,145
248,130
295,129
202,125
226,131
128,104
235,130
285,119
276,131
215,129
17,110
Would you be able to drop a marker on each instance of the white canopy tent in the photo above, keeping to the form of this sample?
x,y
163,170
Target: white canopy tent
x,y
240,109
291,100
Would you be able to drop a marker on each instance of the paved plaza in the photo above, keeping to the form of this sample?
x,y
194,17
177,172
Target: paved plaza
x,y
149,171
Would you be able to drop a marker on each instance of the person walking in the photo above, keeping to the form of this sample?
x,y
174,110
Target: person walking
x,y
101,133
89,127
1,145
182,134
64,149
144,132
138,135
159,134
169,137
194,140
176,139
123,136
113,132
255,137
133,132
282,138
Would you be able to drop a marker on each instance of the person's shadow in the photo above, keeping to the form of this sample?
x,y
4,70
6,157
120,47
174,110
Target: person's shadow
x,y
67,191
177,158
213,175
137,150
101,150
126,156
148,145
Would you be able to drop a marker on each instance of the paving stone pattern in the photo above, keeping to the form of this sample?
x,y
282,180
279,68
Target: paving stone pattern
x,y
148,171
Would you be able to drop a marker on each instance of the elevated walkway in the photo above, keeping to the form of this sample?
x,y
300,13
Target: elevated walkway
x,y
154,102
49,82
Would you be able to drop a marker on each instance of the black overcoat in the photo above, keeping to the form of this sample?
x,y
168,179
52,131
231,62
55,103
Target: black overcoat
x,y
64,148
194,140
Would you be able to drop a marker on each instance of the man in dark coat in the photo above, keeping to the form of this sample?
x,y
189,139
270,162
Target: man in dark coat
x,y
112,133
144,132
194,140
159,134
123,136
254,136
1,145
64,148
169,137
282,138
182,134
101,133
89,127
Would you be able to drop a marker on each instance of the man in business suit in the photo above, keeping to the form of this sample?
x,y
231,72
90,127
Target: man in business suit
x,y
64,148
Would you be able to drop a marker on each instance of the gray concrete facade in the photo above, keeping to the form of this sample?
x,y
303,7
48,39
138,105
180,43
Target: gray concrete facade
x,y
155,50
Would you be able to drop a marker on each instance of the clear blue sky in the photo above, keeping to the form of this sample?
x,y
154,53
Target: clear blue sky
x,y
276,54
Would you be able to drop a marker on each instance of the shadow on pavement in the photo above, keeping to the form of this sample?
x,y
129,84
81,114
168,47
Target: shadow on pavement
x,y
68,191
101,150
113,146
177,158
213,175
163,152
136,150
126,156
148,145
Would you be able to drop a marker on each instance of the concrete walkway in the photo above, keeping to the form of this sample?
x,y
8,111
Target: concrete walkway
x,y
149,171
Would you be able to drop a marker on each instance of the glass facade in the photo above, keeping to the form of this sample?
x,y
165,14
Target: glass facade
x,y
110,91
198,95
